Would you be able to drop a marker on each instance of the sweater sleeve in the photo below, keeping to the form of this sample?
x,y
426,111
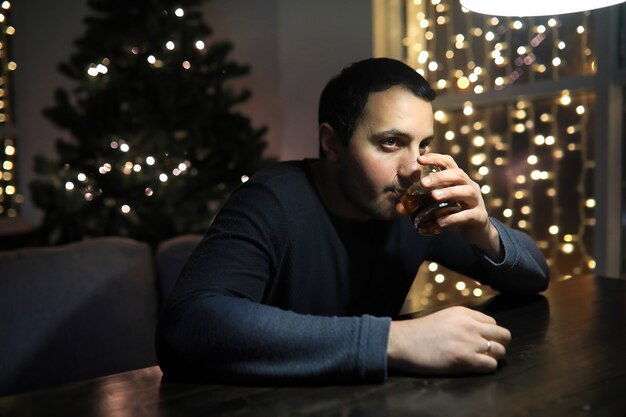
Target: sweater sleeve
x,y
215,327
229,339
521,270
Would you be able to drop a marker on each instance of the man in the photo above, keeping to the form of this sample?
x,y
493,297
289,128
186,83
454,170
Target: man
x,y
302,271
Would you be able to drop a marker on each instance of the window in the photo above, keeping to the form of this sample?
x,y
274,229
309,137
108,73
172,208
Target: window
x,y
527,107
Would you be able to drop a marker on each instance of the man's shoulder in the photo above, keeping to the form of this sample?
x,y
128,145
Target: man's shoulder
x,y
284,191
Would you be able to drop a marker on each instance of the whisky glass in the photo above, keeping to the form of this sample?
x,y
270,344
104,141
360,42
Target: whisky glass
x,y
418,201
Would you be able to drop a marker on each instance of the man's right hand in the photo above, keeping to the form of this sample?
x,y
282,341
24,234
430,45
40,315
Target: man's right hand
x,y
451,341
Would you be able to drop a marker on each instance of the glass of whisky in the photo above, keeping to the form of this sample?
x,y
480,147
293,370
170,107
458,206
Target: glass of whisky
x,y
419,203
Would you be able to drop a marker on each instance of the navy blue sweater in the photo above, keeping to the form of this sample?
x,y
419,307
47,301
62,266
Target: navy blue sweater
x,y
279,290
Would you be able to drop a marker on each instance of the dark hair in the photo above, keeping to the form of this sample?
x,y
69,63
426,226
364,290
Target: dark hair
x,y
344,98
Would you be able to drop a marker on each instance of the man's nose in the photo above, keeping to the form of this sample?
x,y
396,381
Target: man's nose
x,y
410,171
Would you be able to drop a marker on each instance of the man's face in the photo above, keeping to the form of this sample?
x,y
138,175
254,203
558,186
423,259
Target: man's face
x,y
395,128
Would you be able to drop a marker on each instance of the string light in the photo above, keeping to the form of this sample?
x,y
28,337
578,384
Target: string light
x,y
516,153
10,197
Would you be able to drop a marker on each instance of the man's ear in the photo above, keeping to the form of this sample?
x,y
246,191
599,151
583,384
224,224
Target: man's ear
x,y
330,142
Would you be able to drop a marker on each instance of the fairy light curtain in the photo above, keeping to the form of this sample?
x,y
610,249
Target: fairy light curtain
x,y
532,154
9,196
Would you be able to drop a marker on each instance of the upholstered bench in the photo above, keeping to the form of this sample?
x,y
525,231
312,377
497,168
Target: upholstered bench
x,y
82,310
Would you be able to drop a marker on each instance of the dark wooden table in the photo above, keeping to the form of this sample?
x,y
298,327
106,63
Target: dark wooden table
x,y
567,358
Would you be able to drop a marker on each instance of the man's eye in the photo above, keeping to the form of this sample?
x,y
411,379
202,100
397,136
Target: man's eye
x,y
389,142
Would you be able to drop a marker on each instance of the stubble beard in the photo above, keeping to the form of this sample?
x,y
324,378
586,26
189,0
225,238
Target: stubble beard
x,y
379,205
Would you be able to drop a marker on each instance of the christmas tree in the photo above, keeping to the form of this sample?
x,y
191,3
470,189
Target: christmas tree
x,y
156,141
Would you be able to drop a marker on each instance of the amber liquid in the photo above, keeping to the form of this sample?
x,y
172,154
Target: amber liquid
x,y
424,211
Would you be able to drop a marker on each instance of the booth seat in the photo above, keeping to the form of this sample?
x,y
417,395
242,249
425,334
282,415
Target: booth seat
x,y
82,310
